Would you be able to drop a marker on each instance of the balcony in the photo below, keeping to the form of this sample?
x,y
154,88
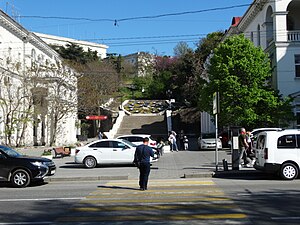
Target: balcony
x,y
293,36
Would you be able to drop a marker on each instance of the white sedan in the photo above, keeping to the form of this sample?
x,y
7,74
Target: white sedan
x,y
137,139
207,141
105,151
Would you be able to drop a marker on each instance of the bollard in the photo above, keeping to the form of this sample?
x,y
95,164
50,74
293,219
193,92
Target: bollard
x,y
225,165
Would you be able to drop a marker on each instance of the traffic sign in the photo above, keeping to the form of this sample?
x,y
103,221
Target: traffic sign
x,y
101,117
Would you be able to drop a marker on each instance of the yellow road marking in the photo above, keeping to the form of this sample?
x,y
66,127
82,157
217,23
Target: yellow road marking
x,y
151,217
152,207
139,200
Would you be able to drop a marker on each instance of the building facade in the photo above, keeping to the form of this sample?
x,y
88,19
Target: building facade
x,y
275,27
86,45
142,62
38,93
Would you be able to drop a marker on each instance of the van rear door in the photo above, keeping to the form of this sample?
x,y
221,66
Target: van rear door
x,y
260,152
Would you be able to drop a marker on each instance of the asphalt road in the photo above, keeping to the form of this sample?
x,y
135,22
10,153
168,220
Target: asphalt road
x,y
245,197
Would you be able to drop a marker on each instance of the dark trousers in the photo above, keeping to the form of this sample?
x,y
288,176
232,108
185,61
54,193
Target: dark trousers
x,y
144,174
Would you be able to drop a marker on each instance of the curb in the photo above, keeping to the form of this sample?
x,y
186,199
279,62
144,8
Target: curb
x,y
57,179
199,175
236,173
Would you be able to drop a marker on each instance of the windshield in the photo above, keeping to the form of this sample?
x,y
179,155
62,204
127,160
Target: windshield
x,y
9,151
129,143
208,136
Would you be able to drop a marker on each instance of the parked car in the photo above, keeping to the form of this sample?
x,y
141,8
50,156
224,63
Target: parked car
x,y
207,141
21,170
106,151
278,152
137,139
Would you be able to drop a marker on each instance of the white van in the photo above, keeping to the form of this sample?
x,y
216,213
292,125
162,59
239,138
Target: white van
x,y
278,152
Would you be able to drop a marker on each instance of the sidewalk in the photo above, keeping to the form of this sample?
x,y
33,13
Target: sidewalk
x,y
173,165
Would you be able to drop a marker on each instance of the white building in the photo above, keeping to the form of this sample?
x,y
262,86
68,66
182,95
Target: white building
x,y
143,63
38,94
86,45
275,26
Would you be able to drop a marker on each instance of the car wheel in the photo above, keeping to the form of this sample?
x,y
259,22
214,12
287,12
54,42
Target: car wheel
x,y
289,171
20,178
90,162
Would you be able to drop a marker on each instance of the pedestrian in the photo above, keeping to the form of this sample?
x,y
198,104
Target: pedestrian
x,y
181,137
172,140
100,135
249,151
185,143
160,146
243,145
175,147
142,159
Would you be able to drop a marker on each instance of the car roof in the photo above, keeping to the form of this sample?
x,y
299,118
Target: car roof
x,y
266,129
134,135
281,132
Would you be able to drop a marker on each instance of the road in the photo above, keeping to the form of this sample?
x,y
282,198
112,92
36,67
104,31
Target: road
x,y
241,198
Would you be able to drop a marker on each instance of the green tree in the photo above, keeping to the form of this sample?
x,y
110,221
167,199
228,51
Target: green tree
x,y
181,49
240,72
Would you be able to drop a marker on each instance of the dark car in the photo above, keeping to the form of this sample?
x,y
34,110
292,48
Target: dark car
x,y
21,170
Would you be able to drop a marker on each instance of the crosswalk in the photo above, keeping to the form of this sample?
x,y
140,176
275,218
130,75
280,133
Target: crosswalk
x,y
166,202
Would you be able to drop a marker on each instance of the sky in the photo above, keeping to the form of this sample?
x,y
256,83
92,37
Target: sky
x,y
118,23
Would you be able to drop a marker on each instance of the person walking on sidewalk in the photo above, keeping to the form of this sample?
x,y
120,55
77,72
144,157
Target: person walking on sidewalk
x,y
172,140
243,145
142,158
185,143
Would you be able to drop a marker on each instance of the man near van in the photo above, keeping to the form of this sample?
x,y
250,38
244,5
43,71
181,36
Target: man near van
x,y
243,145
142,156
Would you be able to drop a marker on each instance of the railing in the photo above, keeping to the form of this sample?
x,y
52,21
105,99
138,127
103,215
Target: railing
x,y
293,35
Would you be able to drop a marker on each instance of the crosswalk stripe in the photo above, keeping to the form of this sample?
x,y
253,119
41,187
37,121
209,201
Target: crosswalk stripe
x,y
166,200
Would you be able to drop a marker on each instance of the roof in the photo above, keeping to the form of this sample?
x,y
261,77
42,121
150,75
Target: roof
x,y
235,21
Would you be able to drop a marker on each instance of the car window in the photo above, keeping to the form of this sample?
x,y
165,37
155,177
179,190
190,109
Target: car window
x,y
117,144
260,144
100,144
286,141
10,152
298,140
131,139
208,136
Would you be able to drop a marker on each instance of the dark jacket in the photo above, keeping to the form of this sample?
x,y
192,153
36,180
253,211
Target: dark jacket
x,y
143,153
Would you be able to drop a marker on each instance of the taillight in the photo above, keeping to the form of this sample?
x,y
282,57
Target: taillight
x,y
266,153
153,143
77,151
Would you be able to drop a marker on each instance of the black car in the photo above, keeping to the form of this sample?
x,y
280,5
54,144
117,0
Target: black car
x,y
21,170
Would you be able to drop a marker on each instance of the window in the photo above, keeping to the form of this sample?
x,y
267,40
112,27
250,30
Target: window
x,y
252,36
287,141
258,35
260,144
117,144
298,140
297,66
298,121
100,144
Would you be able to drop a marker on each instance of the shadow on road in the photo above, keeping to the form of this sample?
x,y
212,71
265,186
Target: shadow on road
x,y
117,187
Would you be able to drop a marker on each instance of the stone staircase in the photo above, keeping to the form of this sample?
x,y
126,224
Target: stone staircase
x,y
154,125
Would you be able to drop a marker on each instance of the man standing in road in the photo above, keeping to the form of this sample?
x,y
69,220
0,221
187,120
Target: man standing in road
x,y
142,158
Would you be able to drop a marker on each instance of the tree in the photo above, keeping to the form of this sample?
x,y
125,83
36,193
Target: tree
x,y
98,82
181,49
241,72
